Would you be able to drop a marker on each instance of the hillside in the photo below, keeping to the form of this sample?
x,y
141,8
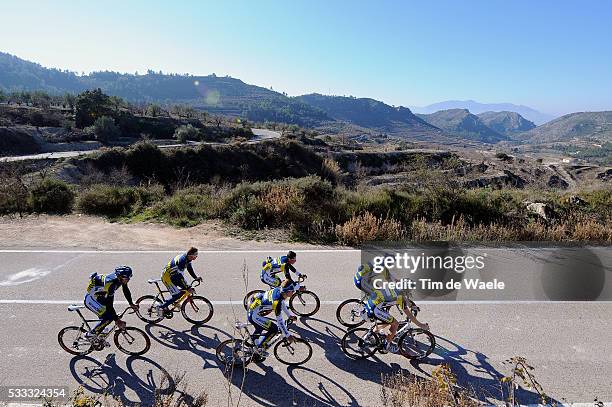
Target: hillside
x,y
369,113
461,122
219,95
477,108
506,123
595,126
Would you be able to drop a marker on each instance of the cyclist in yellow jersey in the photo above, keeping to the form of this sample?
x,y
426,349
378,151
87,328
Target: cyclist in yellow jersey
x,y
378,306
174,279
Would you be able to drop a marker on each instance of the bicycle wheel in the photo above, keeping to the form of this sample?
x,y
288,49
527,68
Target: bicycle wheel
x,y
349,313
247,298
304,303
147,311
416,343
132,341
293,354
360,343
72,340
197,310
234,352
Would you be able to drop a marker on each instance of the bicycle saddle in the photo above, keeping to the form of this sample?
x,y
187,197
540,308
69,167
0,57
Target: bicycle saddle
x,y
153,280
75,307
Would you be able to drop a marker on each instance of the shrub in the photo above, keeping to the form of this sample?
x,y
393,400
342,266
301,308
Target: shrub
x,y
51,196
107,200
184,133
105,129
187,207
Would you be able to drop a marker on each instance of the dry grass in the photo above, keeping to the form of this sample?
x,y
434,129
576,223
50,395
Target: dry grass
x,y
400,390
367,227
460,230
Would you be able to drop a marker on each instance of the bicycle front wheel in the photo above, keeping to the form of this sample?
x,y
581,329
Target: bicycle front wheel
x,y
416,343
360,343
349,313
293,354
304,303
132,341
197,310
72,340
234,352
147,309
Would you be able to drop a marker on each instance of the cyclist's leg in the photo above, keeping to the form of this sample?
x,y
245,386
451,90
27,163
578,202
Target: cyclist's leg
x,y
176,286
262,324
387,319
105,312
269,279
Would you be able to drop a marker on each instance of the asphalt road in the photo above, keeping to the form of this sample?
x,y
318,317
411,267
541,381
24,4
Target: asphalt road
x,y
567,342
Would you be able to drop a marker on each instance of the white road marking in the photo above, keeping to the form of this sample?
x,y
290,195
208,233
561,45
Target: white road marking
x,y
175,251
330,302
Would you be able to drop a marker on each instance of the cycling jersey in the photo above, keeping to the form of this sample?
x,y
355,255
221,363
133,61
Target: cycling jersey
x,y
102,287
271,300
173,277
378,306
272,266
178,265
100,296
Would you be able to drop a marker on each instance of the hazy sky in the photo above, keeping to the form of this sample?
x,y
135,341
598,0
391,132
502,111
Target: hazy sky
x,y
555,56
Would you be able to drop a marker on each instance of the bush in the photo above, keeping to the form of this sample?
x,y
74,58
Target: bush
x,y
51,196
105,129
187,207
184,133
107,200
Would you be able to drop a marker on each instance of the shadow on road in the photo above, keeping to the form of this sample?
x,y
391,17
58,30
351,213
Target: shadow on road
x,y
192,340
141,379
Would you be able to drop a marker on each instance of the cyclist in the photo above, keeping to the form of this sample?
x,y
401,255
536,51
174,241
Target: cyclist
x,y
273,300
365,276
173,278
378,306
282,264
100,296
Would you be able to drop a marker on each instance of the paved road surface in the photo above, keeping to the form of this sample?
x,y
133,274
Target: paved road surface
x,y
568,343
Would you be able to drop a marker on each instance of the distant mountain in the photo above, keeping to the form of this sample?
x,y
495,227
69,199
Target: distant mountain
x,y
574,126
506,123
369,113
477,107
461,122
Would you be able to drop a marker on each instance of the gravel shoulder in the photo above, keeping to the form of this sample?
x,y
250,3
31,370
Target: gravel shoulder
x,y
89,232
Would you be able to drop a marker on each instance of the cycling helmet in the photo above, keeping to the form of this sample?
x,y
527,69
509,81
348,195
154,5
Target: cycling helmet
x,y
291,254
123,271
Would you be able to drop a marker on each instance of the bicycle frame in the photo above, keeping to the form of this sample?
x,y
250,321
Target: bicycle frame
x,y
85,323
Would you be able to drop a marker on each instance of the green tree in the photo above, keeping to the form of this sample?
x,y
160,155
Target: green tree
x,y
90,106
41,99
184,133
105,129
3,96
69,100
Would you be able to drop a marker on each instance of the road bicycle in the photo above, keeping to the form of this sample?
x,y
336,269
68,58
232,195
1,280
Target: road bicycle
x,y
195,308
352,313
303,303
413,343
242,351
129,340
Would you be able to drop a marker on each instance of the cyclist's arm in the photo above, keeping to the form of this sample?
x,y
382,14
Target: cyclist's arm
x,y
289,268
282,326
127,294
190,270
286,310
